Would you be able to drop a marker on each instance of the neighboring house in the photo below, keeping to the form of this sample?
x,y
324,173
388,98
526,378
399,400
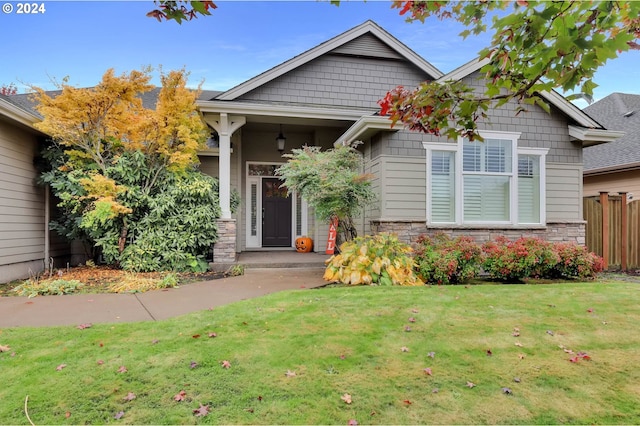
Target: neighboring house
x,y
615,167
25,245
525,179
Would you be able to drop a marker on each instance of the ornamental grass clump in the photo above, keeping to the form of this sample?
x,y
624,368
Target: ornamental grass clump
x,y
446,260
373,260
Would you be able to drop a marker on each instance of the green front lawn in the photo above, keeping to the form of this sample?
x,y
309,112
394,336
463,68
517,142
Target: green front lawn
x,y
446,355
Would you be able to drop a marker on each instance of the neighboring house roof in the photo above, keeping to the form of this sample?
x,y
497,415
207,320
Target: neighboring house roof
x,y
619,111
334,44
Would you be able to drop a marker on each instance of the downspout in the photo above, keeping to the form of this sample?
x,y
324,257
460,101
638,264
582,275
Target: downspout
x,y
47,218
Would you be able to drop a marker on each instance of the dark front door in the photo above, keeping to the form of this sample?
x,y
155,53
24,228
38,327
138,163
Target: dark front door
x,y
276,214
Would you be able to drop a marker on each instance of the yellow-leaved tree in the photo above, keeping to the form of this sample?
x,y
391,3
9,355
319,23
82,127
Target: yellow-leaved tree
x,y
126,173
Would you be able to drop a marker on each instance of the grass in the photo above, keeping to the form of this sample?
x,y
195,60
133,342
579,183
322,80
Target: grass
x,y
345,341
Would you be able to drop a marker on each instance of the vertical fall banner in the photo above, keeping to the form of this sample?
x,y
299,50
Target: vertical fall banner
x,y
333,233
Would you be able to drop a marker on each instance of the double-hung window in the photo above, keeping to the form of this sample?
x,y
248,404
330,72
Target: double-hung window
x,y
489,182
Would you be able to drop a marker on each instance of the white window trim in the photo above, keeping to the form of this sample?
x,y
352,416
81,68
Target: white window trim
x,y
459,177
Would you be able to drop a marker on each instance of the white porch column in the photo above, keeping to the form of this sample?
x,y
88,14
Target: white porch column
x,y
225,125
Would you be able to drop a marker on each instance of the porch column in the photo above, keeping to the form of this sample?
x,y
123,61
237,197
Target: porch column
x,y
225,125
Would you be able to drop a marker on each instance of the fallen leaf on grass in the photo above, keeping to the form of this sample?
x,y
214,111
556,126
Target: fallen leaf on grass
x,y
100,362
193,365
507,391
415,311
260,398
196,336
407,402
119,415
516,334
60,367
67,414
352,422
550,333
155,341
290,373
83,326
201,411
590,310
518,344
521,356
407,328
404,349
122,369
130,396
431,354
180,396
212,334
428,371
489,353
471,385
346,398
5,348
411,319
226,364
517,379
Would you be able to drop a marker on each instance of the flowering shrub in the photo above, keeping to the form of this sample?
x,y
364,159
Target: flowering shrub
x,y
515,260
576,262
444,260
374,260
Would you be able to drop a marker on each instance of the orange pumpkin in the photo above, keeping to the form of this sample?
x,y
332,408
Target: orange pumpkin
x,y
304,244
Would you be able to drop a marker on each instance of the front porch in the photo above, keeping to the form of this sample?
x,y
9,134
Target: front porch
x,y
274,259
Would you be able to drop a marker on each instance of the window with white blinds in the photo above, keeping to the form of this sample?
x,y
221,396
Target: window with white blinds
x,y
493,181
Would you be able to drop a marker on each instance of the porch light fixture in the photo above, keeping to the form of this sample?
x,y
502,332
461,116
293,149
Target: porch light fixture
x,y
280,140
214,140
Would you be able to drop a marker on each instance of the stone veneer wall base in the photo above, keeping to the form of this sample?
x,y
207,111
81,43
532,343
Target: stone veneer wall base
x,y
224,250
408,231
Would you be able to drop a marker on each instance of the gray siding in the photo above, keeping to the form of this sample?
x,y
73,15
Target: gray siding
x,y
403,191
338,80
22,224
564,192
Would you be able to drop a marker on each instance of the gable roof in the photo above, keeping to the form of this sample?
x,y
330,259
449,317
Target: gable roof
x,y
553,97
619,111
334,44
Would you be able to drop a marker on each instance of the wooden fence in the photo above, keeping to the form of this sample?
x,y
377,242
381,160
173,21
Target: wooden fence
x,y
613,229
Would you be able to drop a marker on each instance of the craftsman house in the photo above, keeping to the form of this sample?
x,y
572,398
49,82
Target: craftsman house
x,y
525,179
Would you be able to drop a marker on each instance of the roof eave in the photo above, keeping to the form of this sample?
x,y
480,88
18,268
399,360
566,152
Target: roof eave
x,y
276,110
364,128
591,137
18,114
616,169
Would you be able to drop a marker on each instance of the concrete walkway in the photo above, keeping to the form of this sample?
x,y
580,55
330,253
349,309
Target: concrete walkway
x,y
154,305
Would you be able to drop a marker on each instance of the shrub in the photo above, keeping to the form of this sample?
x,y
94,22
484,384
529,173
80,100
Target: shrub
x,y
443,260
32,288
576,261
374,260
515,260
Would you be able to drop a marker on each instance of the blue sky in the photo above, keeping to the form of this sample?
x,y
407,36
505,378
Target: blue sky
x,y
82,39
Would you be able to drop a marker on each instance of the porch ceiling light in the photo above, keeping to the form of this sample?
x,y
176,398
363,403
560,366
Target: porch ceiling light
x,y
280,141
